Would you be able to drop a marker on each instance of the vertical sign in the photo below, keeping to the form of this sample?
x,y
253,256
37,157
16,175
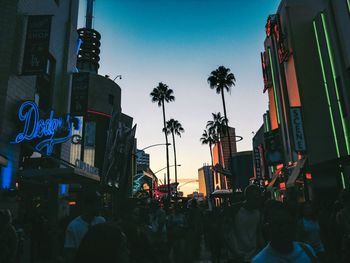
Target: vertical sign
x,y
298,130
273,152
79,98
257,158
37,45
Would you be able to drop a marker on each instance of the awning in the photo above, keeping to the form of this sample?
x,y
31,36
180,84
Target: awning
x,y
3,161
274,178
295,173
222,192
60,175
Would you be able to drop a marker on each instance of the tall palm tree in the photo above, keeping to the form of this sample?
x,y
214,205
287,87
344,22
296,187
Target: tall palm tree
x,y
217,127
222,79
210,138
175,128
160,95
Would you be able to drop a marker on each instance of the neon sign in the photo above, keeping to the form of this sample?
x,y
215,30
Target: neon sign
x,y
273,27
48,132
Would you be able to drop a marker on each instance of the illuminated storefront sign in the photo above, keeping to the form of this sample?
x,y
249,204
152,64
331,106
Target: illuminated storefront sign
x,y
46,132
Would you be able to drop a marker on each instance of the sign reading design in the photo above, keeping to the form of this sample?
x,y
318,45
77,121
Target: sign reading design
x,y
48,132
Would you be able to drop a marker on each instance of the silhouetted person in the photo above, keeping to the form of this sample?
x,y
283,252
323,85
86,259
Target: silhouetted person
x,y
8,238
247,229
194,219
281,227
343,221
214,231
103,243
309,230
157,222
79,226
177,229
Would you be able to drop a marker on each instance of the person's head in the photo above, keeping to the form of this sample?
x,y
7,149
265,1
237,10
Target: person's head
x,y
280,223
90,204
103,243
193,203
308,210
252,194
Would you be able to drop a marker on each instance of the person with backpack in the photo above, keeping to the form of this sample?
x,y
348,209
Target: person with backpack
x,y
281,226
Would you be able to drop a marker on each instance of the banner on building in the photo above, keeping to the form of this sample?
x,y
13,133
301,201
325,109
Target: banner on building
x,y
273,144
298,130
36,52
80,89
119,146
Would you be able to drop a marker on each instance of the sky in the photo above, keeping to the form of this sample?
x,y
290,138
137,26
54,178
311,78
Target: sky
x,y
179,42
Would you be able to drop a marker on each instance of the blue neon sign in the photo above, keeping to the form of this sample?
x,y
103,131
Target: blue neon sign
x,y
47,130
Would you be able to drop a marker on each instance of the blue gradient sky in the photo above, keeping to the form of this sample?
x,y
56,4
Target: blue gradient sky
x,y
179,42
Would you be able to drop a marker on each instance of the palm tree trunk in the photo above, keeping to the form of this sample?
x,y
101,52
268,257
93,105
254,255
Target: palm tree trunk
x,y
167,150
228,136
175,161
212,166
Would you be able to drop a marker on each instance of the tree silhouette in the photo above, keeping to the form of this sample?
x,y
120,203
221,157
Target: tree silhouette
x,y
222,79
174,127
216,127
160,95
210,138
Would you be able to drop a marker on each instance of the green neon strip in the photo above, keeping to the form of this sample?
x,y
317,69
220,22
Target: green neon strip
x,y
349,6
274,87
345,130
266,123
326,90
343,180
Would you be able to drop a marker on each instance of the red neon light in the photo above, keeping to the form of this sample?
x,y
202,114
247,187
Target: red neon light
x,y
266,182
99,113
308,176
282,186
279,166
72,203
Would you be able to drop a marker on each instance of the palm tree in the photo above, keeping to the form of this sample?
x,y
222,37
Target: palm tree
x,y
217,127
222,79
160,95
174,127
210,138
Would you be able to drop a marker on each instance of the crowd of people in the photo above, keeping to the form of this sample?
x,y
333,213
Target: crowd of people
x,y
255,230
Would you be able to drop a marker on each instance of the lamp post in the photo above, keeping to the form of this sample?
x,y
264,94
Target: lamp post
x,y
153,145
149,146
166,167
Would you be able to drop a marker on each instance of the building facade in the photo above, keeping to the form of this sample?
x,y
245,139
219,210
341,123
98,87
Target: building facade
x,y
306,65
206,180
221,159
38,57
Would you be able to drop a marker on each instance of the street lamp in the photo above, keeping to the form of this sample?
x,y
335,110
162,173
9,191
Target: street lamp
x,y
166,167
153,145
